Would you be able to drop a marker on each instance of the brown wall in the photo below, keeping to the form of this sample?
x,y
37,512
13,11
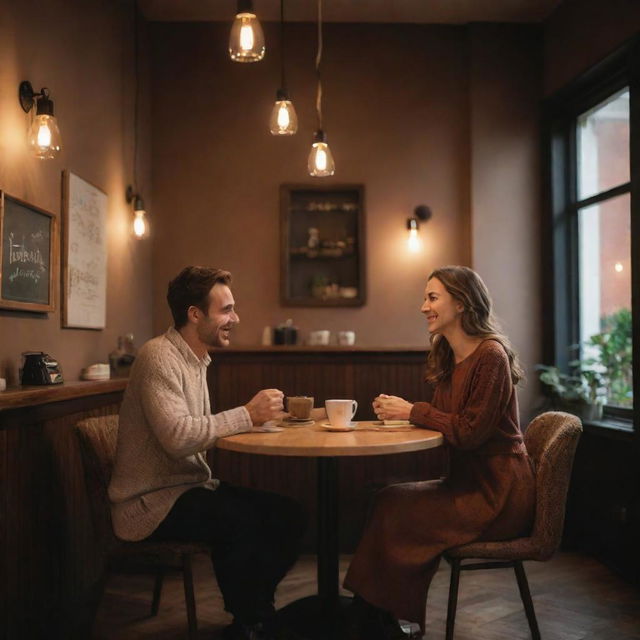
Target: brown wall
x,y
396,118
82,51
505,90
580,33
408,115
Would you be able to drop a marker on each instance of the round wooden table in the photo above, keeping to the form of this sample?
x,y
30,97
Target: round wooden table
x,y
368,439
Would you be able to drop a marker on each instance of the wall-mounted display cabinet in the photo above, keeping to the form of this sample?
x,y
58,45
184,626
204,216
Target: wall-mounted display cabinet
x,y
322,246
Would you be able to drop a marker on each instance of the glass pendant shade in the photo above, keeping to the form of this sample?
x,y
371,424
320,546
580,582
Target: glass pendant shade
x,y
246,41
413,241
44,137
140,226
284,120
320,163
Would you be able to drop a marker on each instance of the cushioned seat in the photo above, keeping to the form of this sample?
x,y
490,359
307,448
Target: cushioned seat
x,y
98,437
551,440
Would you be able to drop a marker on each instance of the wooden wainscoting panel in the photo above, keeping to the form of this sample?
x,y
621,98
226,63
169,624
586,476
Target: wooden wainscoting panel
x,y
51,568
236,375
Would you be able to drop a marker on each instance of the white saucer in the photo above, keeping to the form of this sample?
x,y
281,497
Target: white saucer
x,y
289,423
329,427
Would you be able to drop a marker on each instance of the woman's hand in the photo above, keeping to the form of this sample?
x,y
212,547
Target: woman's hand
x,y
391,407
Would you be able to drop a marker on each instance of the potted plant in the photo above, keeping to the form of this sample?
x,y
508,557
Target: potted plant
x,y
603,375
582,391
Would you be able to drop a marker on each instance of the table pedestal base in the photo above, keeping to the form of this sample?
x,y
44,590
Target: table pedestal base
x,y
311,619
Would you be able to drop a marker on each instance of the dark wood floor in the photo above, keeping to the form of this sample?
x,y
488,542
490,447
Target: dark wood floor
x,y
576,598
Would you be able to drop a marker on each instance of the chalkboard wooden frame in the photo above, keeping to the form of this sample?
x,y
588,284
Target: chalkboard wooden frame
x,y
84,307
11,218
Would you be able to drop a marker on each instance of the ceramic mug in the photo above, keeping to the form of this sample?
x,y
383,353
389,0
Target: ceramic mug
x,y
321,337
346,338
340,412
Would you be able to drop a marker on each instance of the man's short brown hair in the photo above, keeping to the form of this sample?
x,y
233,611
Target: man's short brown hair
x,y
190,288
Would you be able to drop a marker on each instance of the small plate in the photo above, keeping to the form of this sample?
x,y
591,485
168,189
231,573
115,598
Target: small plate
x,y
266,428
329,427
292,419
287,422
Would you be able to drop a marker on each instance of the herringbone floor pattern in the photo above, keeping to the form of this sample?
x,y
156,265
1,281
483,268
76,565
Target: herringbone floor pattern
x,y
576,598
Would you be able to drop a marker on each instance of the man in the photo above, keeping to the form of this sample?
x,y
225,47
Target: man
x,y
162,488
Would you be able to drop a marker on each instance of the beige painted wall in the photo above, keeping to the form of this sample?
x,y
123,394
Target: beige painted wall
x,y
82,51
505,90
396,113
445,116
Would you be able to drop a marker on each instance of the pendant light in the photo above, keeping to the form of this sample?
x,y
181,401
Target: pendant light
x,y
140,224
320,163
284,120
246,40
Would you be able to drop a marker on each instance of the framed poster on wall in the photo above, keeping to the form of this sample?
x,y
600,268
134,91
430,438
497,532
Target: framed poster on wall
x,y
28,256
84,261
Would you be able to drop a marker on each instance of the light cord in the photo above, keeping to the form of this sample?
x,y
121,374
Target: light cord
x,y
283,82
136,45
318,61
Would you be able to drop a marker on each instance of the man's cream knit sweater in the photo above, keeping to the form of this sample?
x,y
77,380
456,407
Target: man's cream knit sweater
x,y
165,427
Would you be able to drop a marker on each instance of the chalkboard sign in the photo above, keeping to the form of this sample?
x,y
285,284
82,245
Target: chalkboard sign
x,y
28,256
85,254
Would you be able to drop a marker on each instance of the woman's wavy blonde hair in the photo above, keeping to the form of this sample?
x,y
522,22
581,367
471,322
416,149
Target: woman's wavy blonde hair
x,y
466,286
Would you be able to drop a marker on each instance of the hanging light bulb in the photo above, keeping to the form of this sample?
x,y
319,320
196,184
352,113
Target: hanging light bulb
x,y
246,40
140,224
421,213
284,120
320,163
44,136
413,241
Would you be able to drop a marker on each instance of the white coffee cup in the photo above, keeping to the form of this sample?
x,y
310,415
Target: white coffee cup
x,y
319,338
340,412
346,338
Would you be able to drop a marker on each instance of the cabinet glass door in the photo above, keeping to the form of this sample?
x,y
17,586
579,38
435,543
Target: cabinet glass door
x,y
322,252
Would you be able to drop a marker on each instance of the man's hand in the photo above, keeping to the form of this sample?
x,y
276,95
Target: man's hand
x,y
265,405
391,407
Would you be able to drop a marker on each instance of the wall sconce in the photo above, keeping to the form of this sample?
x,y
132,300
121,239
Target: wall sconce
x,y
140,225
421,213
44,136
246,40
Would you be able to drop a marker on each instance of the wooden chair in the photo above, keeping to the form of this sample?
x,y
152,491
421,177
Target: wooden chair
x,y
98,437
551,440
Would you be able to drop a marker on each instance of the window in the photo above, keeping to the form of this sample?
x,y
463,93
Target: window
x,y
593,230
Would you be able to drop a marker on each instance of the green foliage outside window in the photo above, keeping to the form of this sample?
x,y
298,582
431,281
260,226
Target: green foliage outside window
x,y
605,376
615,354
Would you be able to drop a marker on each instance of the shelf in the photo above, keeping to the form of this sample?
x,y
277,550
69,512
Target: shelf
x,y
333,220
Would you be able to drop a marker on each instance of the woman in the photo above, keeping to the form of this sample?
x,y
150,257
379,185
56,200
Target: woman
x,y
489,492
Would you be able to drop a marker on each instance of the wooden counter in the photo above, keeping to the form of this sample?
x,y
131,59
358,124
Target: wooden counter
x,y
50,563
29,396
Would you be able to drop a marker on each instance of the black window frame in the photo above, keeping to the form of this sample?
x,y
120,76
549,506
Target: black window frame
x,y
560,228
